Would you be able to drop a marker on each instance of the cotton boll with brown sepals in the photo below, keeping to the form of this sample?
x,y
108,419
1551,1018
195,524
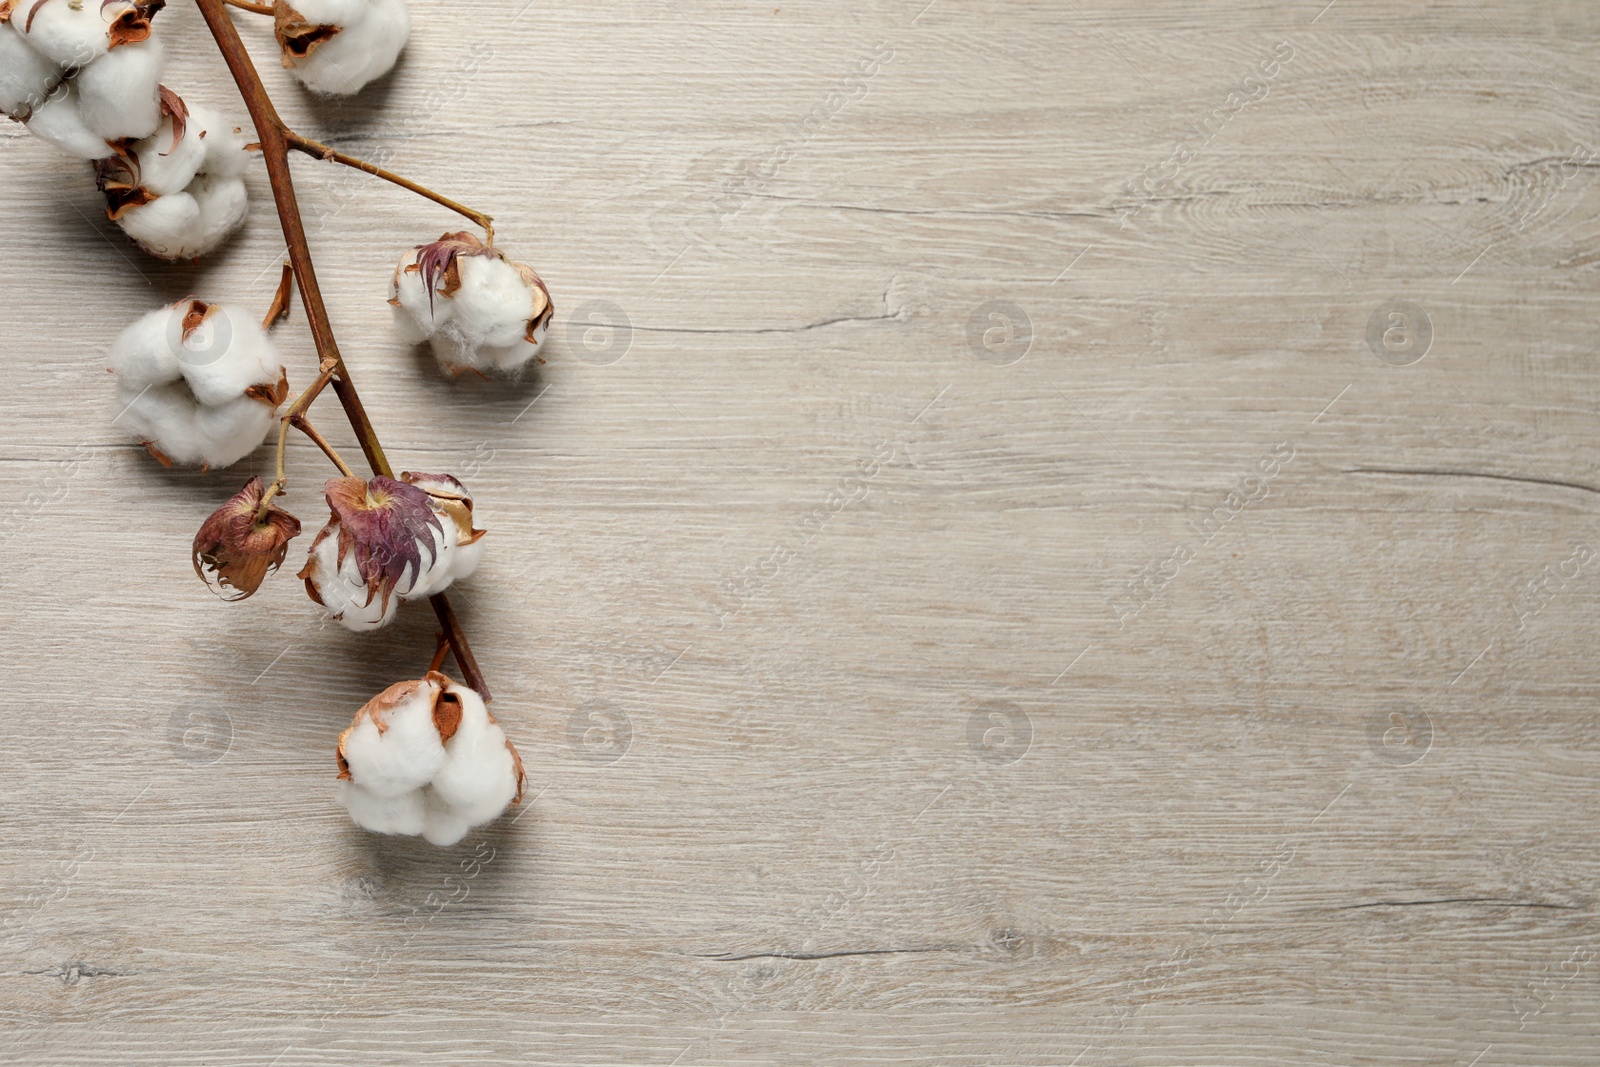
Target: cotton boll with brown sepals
x,y
336,47
479,310
178,192
26,77
426,757
384,542
197,384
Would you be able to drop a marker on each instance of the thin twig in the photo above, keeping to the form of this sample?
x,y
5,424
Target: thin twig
x,y
275,141
280,300
301,423
281,480
333,155
439,654
255,9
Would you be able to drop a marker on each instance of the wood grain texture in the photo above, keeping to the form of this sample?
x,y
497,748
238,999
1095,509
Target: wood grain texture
x,y
887,699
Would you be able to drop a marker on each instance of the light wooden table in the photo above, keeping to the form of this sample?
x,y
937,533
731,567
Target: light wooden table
x,y
984,577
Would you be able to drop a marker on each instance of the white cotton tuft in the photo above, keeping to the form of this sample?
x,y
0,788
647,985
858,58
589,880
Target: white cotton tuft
x,y
478,310
72,33
143,354
418,313
333,12
59,121
168,227
226,155
396,750
197,384
189,224
26,77
118,93
225,355
466,559
229,432
494,304
167,164
427,758
339,46
403,814
479,776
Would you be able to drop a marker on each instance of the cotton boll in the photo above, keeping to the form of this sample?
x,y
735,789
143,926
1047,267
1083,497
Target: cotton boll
x,y
478,310
26,77
59,121
197,383
383,543
341,589
336,47
178,192
404,814
393,745
426,757
117,92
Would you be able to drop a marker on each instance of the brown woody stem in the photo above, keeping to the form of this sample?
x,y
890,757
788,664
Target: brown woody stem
x,y
333,155
256,9
276,139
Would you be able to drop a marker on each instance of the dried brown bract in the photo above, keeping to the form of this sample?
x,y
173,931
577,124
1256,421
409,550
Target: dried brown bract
x,y
241,543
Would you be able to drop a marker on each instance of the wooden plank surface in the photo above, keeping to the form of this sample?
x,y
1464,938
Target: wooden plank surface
x,y
1170,670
